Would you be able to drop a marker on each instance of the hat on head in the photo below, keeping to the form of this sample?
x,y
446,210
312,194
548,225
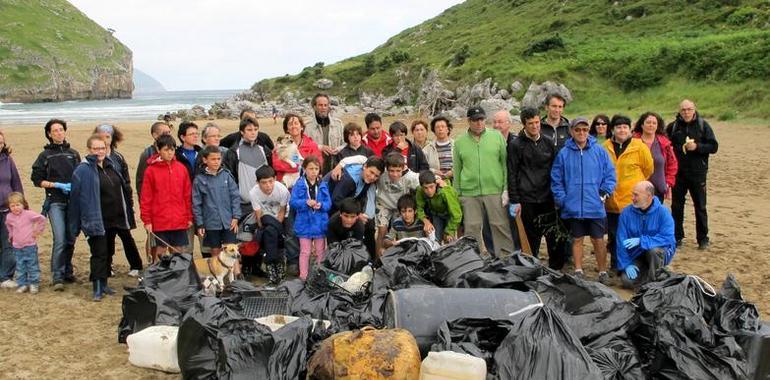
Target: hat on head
x,y
476,113
578,120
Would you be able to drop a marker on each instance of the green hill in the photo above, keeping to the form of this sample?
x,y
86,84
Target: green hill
x,y
614,55
50,51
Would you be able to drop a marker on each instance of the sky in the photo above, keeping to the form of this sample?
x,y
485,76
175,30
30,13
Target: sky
x,y
231,44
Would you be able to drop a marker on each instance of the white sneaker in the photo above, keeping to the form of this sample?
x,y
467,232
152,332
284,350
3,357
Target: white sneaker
x,y
9,284
34,289
22,289
133,273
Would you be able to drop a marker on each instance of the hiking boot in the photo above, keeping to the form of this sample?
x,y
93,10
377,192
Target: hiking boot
x,y
34,289
604,278
704,245
58,287
272,274
9,284
22,289
579,274
133,273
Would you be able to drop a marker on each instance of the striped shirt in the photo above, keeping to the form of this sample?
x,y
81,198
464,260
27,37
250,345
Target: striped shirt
x,y
400,230
444,155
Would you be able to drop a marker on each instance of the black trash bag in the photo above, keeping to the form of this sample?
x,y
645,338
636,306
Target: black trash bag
x,y
289,358
508,273
590,309
197,345
455,259
479,337
734,315
541,346
616,357
348,256
244,348
238,287
414,255
145,307
173,274
686,348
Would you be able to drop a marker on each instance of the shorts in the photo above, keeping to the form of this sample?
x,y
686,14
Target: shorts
x,y
384,216
174,238
595,228
215,238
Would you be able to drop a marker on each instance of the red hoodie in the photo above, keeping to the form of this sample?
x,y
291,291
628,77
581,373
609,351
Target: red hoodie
x,y
377,145
166,197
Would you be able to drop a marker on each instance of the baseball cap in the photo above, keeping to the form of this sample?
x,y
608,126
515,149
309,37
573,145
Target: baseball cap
x,y
578,120
476,113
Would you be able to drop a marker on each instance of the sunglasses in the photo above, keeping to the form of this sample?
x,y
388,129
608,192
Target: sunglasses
x,y
601,123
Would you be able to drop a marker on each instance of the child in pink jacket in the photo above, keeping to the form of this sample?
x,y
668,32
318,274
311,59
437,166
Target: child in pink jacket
x,y
24,227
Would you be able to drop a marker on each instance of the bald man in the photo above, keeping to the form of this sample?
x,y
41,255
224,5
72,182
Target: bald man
x,y
645,238
694,142
503,121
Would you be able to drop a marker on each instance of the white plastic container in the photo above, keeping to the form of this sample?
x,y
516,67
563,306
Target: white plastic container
x,y
276,321
155,348
448,365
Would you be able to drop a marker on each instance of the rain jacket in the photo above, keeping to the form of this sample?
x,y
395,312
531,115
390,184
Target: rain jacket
x,y
579,178
655,229
633,166
166,198
215,200
310,223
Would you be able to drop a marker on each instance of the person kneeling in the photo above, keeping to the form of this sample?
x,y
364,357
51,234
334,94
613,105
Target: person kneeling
x,y
645,239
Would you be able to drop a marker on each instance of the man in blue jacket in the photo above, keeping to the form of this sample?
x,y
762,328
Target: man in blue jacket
x,y
645,238
582,177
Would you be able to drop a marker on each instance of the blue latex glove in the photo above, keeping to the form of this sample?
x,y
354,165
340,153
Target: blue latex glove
x,y
513,209
631,242
631,272
64,187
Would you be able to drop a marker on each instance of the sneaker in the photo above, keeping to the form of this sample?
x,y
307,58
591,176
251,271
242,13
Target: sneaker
x,y
22,289
58,287
9,284
34,289
604,278
704,245
133,273
579,274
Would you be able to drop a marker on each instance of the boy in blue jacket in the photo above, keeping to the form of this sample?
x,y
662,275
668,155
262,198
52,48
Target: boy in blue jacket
x,y
311,200
646,240
216,203
582,177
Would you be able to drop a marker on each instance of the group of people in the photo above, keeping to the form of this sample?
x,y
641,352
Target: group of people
x,y
325,182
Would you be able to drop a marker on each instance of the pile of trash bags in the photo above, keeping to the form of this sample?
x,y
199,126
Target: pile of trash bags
x,y
678,328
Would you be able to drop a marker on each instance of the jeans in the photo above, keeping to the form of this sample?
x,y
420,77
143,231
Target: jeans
x,y
27,267
63,242
7,257
439,223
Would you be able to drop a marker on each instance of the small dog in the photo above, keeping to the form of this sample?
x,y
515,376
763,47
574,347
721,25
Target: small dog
x,y
219,268
288,152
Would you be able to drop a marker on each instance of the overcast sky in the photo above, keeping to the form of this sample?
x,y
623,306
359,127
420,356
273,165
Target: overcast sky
x,y
230,44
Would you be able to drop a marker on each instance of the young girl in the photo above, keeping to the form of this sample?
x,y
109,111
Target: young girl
x,y
311,200
24,227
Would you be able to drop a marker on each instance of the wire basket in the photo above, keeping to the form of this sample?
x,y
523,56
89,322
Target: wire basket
x,y
265,302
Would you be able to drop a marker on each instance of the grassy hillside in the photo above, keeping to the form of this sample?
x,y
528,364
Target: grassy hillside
x,y
50,44
614,55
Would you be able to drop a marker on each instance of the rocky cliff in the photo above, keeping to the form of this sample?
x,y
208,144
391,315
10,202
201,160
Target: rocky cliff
x,y
50,51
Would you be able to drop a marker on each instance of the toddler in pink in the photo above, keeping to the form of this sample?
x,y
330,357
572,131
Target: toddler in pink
x,y
24,227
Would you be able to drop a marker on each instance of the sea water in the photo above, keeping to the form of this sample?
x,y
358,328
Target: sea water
x,y
146,106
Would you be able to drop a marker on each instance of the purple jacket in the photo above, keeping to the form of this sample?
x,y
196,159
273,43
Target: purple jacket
x,y
9,180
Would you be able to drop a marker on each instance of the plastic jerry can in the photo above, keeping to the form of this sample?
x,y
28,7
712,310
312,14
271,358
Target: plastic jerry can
x,y
448,365
368,353
155,348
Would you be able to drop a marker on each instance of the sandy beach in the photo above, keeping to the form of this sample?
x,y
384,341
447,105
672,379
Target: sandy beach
x,y
66,335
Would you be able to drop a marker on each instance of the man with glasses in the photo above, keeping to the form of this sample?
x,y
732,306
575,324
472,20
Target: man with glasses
x,y
582,178
187,153
694,141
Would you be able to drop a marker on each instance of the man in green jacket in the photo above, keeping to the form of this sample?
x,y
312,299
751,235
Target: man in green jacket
x,y
480,170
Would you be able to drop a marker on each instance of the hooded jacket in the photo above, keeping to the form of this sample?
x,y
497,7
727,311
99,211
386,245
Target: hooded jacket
x,y
529,169
166,200
85,209
215,200
310,223
697,161
55,164
633,166
9,180
654,228
579,177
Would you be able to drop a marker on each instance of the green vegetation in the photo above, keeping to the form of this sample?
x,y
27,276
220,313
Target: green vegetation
x,y
615,55
42,39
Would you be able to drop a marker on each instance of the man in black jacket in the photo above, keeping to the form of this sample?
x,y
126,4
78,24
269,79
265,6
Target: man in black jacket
x,y
693,141
530,158
555,125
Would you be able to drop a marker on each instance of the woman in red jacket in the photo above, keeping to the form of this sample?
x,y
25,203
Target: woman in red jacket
x,y
295,128
650,128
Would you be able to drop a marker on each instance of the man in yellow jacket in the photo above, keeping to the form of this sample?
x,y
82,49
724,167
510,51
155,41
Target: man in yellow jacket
x,y
633,164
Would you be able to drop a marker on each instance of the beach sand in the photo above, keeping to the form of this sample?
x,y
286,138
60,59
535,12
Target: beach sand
x,y
66,335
